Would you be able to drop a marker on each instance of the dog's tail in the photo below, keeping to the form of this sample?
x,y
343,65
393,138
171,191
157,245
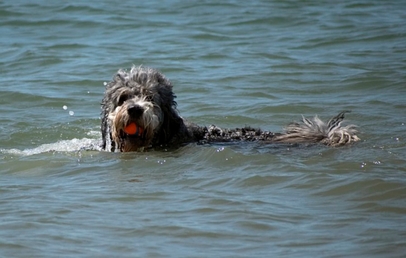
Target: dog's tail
x,y
315,130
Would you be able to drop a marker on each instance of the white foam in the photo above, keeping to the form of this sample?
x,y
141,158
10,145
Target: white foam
x,y
59,146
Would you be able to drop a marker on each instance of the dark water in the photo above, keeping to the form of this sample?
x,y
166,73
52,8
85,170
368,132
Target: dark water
x,y
258,63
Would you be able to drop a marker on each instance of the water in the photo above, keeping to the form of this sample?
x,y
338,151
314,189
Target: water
x,y
258,63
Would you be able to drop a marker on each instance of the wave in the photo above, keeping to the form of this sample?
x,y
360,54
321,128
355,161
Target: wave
x,y
72,145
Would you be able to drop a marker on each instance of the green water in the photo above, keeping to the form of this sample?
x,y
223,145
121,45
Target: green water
x,y
235,63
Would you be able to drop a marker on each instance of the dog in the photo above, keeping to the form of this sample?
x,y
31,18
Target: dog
x,y
139,112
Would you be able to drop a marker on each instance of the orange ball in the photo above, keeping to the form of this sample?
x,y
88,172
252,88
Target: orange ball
x,y
132,129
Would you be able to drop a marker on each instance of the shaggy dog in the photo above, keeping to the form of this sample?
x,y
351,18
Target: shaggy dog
x,y
139,112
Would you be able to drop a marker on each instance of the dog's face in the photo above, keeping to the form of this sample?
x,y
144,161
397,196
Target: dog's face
x,y
141,98
131,105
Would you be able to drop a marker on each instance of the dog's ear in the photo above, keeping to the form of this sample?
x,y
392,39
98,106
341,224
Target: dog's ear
x,y
108,105
172,123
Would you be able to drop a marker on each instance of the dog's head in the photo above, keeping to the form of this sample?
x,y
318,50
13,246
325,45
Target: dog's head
x,y
142,100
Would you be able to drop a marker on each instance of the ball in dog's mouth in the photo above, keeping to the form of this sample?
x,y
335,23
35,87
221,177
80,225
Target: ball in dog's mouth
x,y
133,129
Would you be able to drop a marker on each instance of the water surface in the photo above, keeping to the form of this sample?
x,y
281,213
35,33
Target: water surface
x,y
258,63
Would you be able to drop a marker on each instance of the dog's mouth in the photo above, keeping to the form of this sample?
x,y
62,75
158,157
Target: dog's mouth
x,y
133,138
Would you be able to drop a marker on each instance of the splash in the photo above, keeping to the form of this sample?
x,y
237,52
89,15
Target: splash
x,y
59,146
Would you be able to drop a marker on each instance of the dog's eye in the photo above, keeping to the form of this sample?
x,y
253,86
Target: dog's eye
x,y
122,99
149,98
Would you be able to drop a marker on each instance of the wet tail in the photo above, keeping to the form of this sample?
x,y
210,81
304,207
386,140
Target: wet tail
x,y
315,130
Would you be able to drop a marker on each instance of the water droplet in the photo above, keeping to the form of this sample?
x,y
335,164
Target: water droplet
x,y
220,149
71,113
65,107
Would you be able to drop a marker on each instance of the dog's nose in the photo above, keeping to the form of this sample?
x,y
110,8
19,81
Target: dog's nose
x,y
135,111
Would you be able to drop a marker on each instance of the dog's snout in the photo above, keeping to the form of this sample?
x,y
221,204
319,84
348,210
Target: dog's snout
x,y
135,110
